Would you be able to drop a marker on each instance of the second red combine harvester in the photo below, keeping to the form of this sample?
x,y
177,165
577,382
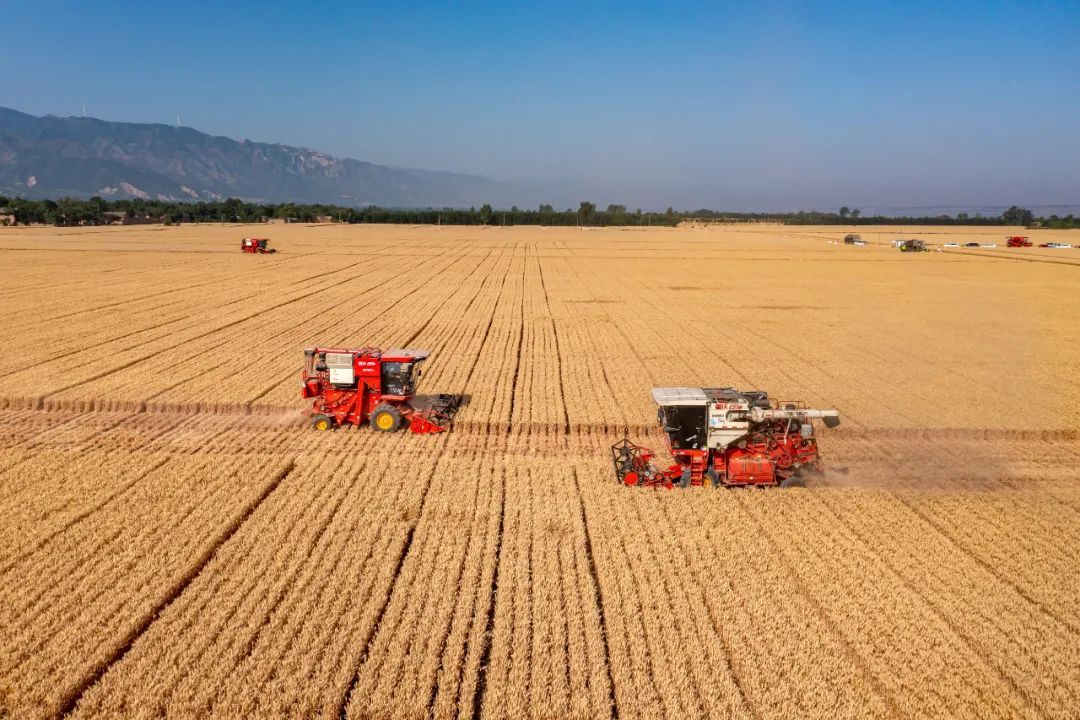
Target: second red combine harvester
x,y
726,437
368,385
256,246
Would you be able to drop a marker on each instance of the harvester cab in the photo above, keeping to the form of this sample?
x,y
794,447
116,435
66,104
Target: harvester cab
x,y
256,246
726,437
354,386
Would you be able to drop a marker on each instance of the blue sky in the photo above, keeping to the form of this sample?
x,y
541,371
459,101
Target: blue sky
x,y
771,105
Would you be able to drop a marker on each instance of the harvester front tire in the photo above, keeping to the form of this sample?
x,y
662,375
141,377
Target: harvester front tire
x,y
386,418
322,423
793,481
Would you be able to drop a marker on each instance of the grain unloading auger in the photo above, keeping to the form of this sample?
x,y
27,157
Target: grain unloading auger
x,y
373,386
725,437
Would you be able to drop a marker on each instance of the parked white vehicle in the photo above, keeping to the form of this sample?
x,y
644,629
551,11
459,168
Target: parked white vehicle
x,y
952,244
989,244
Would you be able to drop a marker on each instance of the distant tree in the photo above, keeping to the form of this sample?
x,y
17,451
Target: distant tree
x,y
1017,216
545,208
670,212
844,212
856,213
585,211
616,209
486,214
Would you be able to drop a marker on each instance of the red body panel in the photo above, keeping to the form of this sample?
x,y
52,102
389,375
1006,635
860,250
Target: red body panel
x,y
744,468
770,456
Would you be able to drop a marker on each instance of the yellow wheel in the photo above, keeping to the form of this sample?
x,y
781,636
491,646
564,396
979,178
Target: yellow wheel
x,y
322,423
385,418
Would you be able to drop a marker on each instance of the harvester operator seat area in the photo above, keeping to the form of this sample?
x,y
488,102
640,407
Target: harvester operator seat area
x,y
398,378
684,426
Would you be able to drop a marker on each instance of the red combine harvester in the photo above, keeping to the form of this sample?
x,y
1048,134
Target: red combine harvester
x,y
256,246
1019,241
373,386
726,437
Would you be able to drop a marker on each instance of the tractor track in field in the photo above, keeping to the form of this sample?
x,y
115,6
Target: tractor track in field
x,y
195,313
598,595
72,522
401,298
1048,261
963,548
955,628
71,699
480,691
558,347
217,329
27,409
603,368
491,427
343,705
800,586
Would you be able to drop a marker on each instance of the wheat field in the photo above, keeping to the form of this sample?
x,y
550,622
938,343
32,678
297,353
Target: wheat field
x,y
175,542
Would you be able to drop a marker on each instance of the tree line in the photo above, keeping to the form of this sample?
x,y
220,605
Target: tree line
x,y
98,211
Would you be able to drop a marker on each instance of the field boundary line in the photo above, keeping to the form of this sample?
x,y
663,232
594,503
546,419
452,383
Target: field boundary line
x,y
71,699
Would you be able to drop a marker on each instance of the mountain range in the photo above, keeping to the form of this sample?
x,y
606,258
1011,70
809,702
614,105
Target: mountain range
x,y
51,157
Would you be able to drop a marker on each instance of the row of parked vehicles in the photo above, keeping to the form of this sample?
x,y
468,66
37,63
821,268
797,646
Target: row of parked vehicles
x,y
1013,241
920,245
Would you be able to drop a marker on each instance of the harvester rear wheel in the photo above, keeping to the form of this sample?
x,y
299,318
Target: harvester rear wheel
x,y
385,418
793,481
322,423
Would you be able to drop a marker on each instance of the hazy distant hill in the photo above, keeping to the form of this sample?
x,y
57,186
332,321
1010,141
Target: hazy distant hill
x,y
49,157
